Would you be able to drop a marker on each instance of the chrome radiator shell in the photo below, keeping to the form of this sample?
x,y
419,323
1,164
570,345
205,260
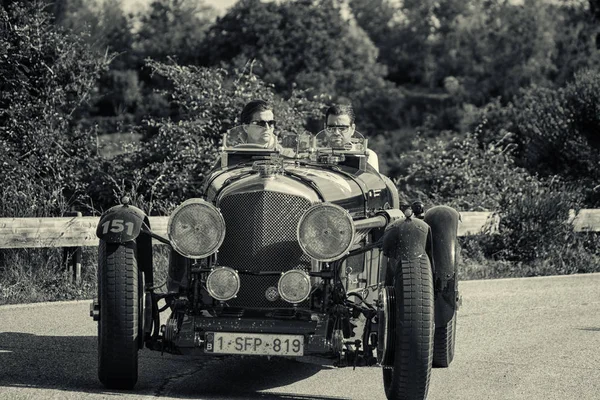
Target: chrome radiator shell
x,y
261,236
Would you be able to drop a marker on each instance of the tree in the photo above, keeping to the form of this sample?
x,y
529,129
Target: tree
x,y
492,48
174,29
511,46
292,43
559,130
312,45
376,17
120,92
577,43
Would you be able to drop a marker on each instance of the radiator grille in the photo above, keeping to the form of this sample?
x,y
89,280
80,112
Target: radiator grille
x,y
261,236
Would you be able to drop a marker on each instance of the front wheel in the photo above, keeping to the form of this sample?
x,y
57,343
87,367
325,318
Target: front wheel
x,y
407,376
120,298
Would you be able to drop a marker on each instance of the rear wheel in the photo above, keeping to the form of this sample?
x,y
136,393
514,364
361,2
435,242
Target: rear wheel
x,y
446,251
407,377
443,348
119,329
445,335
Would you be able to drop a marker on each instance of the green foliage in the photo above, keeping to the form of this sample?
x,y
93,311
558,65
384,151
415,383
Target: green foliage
x,y
553,132
174,29
311,46
171,165
293,41
48,76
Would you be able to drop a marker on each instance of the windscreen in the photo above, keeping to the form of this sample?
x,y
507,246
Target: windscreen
x,y
341,141
258,138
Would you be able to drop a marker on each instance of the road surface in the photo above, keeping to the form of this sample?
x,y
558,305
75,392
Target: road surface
x,y
525,339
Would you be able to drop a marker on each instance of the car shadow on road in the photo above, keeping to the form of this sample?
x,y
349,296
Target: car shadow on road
x,y
69,363
590,329
251,378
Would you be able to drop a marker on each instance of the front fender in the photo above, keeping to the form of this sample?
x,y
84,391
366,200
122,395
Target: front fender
x,y
121,224
406,239
443,221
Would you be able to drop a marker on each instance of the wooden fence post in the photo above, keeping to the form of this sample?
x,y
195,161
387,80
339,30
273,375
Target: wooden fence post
x,y
72,256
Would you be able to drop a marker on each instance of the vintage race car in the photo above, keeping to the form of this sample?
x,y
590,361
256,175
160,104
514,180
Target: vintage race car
x,y
298,250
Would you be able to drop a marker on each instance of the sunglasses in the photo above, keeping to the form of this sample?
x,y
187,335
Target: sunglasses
x,y
264,124
339,128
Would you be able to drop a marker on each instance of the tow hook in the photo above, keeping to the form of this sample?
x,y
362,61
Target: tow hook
x,y
95,310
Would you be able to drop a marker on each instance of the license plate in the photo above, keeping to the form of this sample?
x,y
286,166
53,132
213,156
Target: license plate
x,y
254,344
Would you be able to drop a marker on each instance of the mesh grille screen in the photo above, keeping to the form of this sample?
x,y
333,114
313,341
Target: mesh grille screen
x,y
261,236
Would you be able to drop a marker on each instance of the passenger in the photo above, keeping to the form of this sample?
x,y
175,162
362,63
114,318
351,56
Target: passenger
x,y
340,127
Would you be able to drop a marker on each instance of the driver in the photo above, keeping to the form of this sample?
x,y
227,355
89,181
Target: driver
x,y
258,128
259,122
339,128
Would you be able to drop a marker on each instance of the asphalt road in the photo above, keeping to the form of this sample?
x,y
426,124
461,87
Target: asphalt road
x,y
536,338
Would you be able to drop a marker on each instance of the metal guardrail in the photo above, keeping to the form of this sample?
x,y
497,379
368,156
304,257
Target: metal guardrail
x,y
74,232
77,231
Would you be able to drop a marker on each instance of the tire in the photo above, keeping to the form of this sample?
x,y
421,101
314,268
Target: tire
x,y
408,378
444,342
120,324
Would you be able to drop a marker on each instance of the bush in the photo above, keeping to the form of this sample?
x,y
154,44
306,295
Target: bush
x,y
464,174
48,74
34,275
533,223
170,166
553,132
457,171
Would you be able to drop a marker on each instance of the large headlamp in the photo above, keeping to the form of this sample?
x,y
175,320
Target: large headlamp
x,y
196,228
326,232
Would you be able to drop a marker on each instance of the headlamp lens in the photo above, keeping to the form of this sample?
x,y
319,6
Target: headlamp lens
x,y
294,286
223,283
196,228
326,232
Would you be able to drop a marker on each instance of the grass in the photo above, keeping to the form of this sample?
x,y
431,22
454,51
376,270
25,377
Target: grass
x,y
36,275
576,254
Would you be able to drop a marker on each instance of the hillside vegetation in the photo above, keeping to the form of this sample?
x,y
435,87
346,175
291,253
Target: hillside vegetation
x,y
481,105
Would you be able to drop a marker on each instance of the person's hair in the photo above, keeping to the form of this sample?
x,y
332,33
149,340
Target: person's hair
x,y
340,109
253,107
